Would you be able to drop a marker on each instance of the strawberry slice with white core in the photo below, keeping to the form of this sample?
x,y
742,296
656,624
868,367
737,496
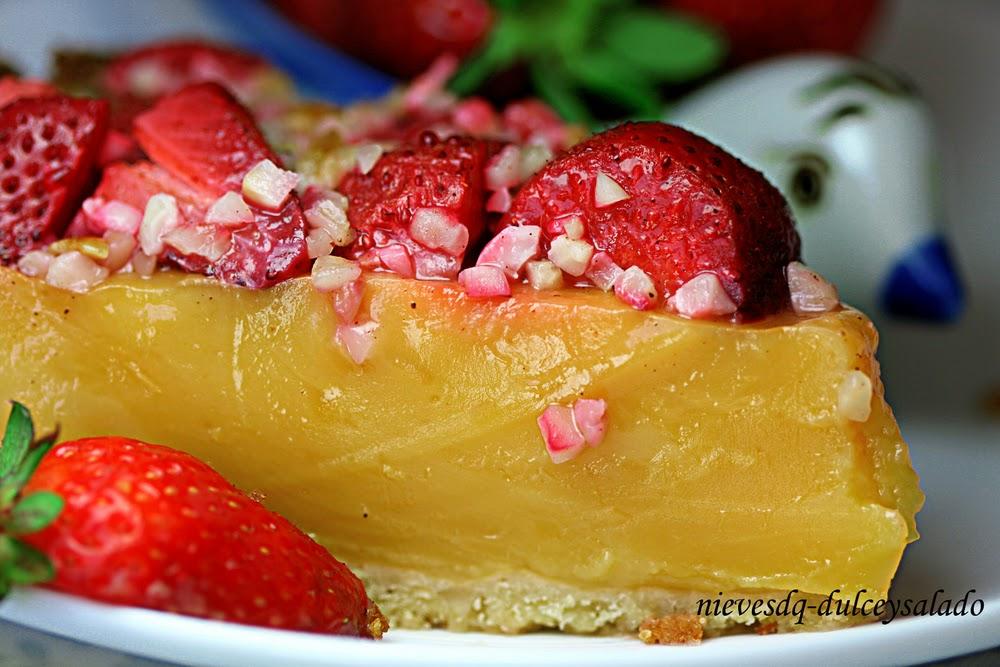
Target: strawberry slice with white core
x,y
810,292
563,440
347,301
543,275
512,248
331,272
636,288
484,281
499,201
571,255
357,339
229,210
397,258
267,185
75,271
607,191
208,241
160,217
702,297
591,418
603,271
439,229
504,169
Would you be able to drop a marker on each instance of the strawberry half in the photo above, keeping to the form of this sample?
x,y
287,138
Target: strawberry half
x,y
48,148
206,140
125,522
673,204
203,136
413,193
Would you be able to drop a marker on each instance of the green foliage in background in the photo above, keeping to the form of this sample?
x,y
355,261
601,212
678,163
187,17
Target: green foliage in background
x,y
617,50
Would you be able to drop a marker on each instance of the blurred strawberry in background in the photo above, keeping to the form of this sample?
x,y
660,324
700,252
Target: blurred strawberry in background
x,y
588,59
761,28
402,37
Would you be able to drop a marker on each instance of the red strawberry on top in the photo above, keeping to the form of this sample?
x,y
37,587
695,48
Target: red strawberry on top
x,y
165,67
48,148
427,197
12,88
205,139
673,204
147,526
204,136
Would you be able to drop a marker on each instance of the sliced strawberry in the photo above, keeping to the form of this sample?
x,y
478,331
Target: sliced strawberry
x,y
675,205
166,67
439,181
12,88
203,136
208,141
48,147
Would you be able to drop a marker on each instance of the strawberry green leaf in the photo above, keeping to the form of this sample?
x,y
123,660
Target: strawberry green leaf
x,y
23,564
20,476
16,438
34,512
671,47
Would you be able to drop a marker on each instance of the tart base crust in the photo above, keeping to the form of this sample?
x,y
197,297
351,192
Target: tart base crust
x,y
523,602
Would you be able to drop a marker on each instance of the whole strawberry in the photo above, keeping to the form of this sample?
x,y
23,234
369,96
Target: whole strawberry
x,y
673,204
148,526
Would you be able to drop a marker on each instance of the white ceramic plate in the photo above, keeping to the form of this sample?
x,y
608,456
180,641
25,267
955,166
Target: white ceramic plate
x,y
959,550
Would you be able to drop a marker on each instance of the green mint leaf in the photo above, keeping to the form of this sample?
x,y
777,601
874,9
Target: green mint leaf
x,y
34,512
617,81
24,564
671,47
16,438
500,52
553,85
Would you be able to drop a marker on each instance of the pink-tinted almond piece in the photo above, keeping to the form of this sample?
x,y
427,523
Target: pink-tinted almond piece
x,y
397,258
563,440
484,281
809,291
702,297
357,339
591,416
512,248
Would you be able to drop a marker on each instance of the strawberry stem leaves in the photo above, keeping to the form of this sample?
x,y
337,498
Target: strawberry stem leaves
x,y
20,454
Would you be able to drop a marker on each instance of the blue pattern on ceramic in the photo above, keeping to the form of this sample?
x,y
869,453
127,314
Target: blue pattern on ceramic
x,y
924,284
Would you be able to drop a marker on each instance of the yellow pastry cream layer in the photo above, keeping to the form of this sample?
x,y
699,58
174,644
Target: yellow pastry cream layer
x,y
749,459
